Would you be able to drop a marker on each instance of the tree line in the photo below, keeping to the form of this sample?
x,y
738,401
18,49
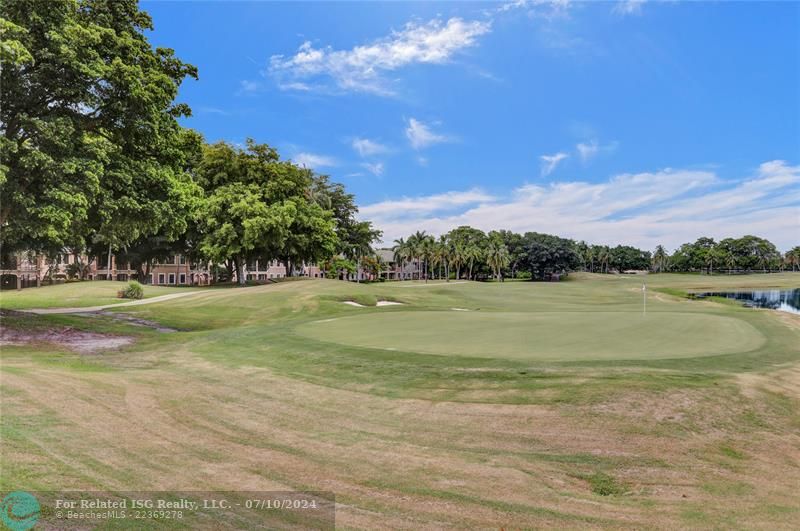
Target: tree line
x,y
469,253
94,159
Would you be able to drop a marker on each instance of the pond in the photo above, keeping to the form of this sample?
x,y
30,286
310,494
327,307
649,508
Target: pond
x,y
785,300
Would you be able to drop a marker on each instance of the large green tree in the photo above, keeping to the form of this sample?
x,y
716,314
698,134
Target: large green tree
x,y
355,236
546,255
258,207
91,146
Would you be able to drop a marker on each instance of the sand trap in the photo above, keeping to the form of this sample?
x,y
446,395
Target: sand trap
x,y
78,340
379,303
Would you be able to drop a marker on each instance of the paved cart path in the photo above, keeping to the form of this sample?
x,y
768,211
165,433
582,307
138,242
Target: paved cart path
x,y
86,309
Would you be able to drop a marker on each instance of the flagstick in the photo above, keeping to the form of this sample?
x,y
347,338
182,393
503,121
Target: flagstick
x,y
644,299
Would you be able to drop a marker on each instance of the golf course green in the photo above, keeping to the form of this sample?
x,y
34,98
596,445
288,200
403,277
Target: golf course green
x,y
551,336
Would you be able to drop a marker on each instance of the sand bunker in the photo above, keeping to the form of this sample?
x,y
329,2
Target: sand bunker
x,y
379,303
77,340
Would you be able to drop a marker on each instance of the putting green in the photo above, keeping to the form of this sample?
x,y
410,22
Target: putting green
x,y
551,336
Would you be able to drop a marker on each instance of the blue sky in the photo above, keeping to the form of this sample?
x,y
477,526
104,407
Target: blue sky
x,y
635,122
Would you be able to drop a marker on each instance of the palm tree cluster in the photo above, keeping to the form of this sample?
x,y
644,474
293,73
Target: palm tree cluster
x,y
468,253
462,251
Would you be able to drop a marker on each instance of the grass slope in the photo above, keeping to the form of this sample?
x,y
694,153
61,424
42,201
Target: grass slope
x,y
76,295
581,423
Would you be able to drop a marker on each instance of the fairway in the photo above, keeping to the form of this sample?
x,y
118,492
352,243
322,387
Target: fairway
x,y
552,336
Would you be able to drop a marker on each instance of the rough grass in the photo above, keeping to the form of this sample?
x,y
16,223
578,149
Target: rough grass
x,y
241,399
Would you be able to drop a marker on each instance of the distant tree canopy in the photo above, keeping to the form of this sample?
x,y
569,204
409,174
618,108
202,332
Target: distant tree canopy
x,y
747,253
470,253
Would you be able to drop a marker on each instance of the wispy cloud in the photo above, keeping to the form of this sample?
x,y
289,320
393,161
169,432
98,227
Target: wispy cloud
x,y
425,205
628,7
212,110
667,207
313,160
366,147
362,68
248,86
548,9
375,168
421,136
588,150
549,162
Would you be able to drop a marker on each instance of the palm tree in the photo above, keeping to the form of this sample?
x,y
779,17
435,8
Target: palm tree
x,y
426,251
443,255
730,261
497,256
603,255
457,258
401,254
415,243
660,258
793,258
590,252
473,254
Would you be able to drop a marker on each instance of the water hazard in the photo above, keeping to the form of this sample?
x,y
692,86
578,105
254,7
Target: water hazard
x,y
785,300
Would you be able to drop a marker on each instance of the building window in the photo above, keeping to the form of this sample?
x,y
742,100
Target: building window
x,y
183,278
161,278
172,278
152,278
183,260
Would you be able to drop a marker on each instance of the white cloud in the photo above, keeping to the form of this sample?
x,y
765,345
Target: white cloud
x,y
213,110
295,85
362,67
588,150
366,147
667,207
248,86
425,205
421,136
375,168
549,162
548,9
313,160
628,7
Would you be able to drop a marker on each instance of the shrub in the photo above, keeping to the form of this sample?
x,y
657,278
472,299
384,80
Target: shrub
x,y
605,485
133,291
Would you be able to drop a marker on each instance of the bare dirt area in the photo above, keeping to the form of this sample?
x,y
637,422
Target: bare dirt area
x,y
76,340
130,319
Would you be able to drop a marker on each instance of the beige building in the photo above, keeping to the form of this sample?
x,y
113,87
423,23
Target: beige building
x,y
23,271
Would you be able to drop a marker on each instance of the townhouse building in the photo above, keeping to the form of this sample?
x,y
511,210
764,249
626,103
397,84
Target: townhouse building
x,y
24,270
